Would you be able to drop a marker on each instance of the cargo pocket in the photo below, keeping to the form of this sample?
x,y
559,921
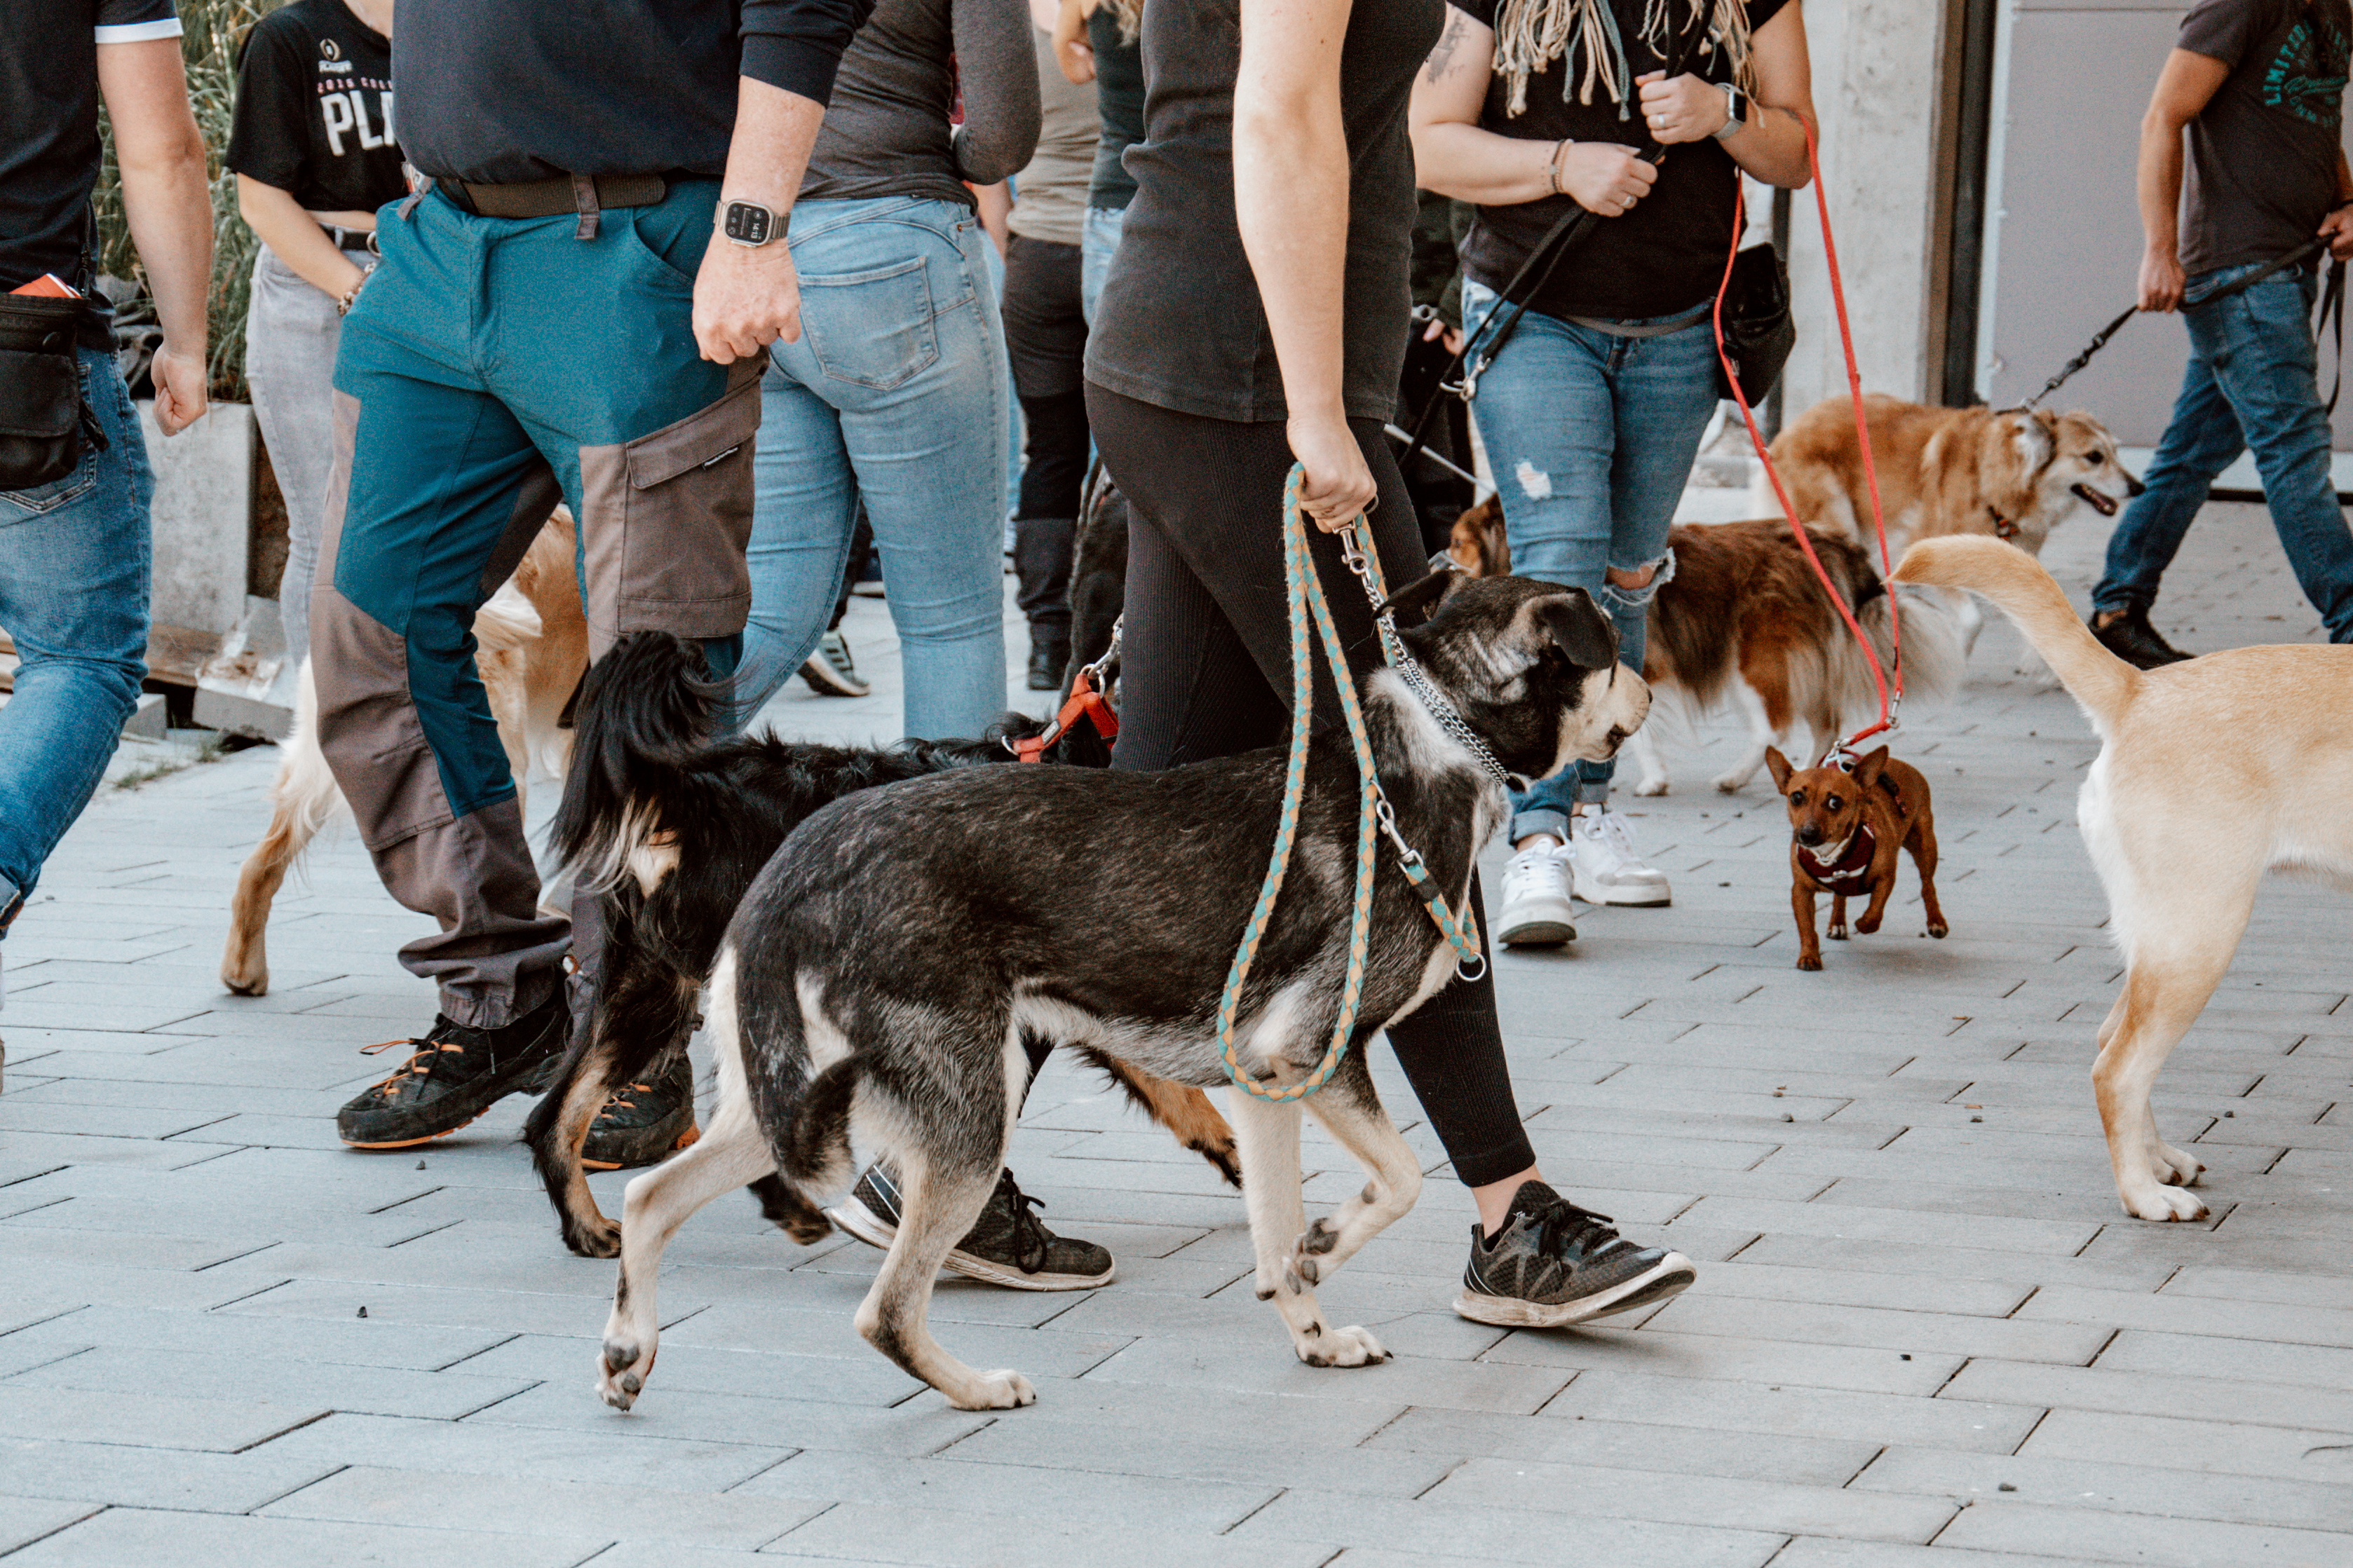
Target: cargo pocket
x,y
872,329
687,517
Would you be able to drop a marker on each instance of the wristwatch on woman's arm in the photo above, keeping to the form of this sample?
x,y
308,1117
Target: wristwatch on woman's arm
x,y
1735,112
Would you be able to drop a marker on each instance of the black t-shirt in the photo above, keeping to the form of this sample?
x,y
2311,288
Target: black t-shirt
x,y
1180,325
1119,106
2262,172
49,150
314,109
1667,253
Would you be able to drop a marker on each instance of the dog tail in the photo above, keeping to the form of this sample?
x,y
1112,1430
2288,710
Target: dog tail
x,y
644,708
2102,684
507,619
1933,659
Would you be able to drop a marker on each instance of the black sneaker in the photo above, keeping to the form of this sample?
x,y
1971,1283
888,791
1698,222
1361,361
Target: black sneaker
x,y
1554,1262
2131,638
455,1075
644,1123
1007,1246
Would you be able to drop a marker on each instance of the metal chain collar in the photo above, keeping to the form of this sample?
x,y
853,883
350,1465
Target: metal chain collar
x,y
1416,680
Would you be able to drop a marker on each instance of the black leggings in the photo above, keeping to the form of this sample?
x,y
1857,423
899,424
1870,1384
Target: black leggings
x,y
1206,673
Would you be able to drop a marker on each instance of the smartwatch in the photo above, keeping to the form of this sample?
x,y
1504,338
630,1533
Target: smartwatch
x,y
1736,109
748,224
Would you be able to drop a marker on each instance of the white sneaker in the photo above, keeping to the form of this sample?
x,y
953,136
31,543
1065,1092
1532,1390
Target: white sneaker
x,y
1608,869
1535,912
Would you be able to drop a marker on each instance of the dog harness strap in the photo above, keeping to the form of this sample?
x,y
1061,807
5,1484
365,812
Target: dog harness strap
x,y
1849,874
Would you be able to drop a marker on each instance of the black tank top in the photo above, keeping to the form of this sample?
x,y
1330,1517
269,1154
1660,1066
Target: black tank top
x,y
1180,325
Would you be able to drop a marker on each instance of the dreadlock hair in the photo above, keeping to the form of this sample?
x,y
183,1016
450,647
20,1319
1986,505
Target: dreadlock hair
x,y
1530,34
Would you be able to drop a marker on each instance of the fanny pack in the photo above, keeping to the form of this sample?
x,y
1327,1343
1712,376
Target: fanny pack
x,y
1757,331
42,420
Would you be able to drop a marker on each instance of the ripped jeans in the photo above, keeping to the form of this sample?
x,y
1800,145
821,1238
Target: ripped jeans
x,y
1591,436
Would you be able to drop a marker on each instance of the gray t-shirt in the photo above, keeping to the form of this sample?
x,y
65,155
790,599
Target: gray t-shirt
x,y
2263,154
887,133
1049,196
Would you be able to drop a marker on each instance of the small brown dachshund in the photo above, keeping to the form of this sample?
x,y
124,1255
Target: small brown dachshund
x,y
1846,831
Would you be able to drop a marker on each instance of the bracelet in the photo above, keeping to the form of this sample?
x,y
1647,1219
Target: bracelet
x,y
352,294
1552,165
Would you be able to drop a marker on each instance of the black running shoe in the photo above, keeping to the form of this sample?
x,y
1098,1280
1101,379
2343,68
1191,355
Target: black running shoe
x,y
1554,1264
644,1123
2131,638
454,1076
1007,1246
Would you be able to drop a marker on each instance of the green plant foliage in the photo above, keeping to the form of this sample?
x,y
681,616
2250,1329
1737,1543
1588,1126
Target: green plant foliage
x,y
214,30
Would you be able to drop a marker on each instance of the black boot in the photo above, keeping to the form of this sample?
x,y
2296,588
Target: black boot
x,y
1048,653
2131,638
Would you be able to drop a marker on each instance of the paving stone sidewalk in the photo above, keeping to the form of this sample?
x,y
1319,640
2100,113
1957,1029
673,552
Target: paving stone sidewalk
x,y
1923,1336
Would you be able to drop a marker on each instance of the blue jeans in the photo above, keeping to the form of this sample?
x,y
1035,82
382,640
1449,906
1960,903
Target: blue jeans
x,y
1591,436
1098,243
896,393
2252,381
74,561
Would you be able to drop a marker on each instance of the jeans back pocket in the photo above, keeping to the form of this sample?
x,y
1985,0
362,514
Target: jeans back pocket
x,y
873,328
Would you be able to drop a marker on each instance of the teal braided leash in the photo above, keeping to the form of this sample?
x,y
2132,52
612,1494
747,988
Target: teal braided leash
x,y
1304,592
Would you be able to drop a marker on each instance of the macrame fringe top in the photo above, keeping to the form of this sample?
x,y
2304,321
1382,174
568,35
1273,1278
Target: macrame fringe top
x,y
1530,34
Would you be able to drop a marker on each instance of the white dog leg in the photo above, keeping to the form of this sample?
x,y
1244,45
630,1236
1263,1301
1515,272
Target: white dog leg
x,y
1751,708
1646,757
1268,1138
1366,1131
2164,992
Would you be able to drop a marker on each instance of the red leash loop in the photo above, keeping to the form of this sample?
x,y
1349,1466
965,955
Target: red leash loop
x,y
1084,701
1887,707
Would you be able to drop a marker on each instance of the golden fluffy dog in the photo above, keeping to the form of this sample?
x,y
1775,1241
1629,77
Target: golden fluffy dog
x,y
2211,772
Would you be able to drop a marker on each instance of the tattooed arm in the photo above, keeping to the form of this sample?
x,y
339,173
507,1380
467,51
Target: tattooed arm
x,y
1454,156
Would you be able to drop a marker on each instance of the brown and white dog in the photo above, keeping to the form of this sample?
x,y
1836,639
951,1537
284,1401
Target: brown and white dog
x,y
2012,473
534,647
1742,622
1848,831
2211,772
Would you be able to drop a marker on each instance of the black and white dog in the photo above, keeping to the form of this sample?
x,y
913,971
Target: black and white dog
x,y
884,969
668,821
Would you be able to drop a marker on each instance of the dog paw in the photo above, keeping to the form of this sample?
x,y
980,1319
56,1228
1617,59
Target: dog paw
x,y
1938,929
1005,1390
1342,1347
1730,784
1867,924
1836,933
1652,786
2160,1202
599,1237
253,984
1809,960
1225,1157
2173,1167
1307,1264
621,1373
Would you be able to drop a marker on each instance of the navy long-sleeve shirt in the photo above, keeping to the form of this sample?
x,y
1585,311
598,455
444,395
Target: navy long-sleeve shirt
x,y
501,91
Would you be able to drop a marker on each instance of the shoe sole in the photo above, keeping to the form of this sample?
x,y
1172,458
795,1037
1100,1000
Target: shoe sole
x,y
826,682
428,1138
1672,1275
866,1225
1625,898
686,1139
1537,933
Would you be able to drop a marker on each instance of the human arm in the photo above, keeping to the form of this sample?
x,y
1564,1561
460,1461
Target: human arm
x,y
1771,143
996,66
1456,156
2337,226
168,203
295,237
996,213
1290,204
1071,50
2184,87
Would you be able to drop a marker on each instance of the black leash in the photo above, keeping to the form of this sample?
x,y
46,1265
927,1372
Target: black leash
x,y
2332,306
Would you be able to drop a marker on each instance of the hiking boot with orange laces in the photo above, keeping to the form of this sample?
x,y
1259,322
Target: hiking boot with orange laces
x,y
454,1075
643,1123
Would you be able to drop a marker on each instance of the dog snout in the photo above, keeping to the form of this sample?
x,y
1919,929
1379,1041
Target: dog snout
x,y
1809,834
2133,487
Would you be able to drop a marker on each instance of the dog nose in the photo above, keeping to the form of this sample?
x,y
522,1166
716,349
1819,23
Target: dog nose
x,y
2133,486
1810,834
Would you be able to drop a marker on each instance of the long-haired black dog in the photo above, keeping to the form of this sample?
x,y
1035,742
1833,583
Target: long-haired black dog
x,y
667,822
889,966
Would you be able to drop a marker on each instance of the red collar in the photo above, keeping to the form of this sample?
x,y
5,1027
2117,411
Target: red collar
x,y
1851,872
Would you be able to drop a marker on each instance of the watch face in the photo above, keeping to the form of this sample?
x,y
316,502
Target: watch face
x,y
747,224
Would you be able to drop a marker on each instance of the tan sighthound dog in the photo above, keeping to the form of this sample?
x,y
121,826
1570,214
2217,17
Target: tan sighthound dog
x,y
533,645
1847,833
2213,771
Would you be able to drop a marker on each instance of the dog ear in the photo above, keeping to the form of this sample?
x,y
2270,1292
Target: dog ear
x,y
1414,602
1579,629
1779,766
1867,772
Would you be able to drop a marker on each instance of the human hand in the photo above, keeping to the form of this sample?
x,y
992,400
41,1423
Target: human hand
x,y
1338,486
745,297
1603,177
2160,281
180,381
2337,226
1071,50
1439,332
1686,108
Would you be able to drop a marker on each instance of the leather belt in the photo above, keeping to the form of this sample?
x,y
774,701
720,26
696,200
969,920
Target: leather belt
x,y
553,197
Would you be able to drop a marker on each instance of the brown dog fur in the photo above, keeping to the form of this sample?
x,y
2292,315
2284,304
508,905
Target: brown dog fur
x,y
2011,474
1478,544
1827,806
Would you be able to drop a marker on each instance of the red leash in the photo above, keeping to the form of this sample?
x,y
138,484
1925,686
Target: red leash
x,y
1889,704
1085,702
